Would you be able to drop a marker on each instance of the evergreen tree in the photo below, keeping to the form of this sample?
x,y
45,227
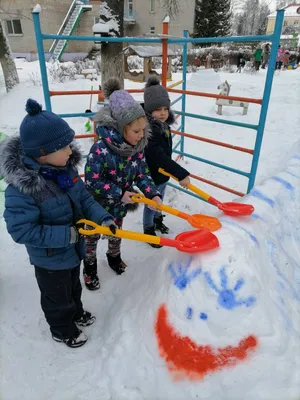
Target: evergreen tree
x,y
212,18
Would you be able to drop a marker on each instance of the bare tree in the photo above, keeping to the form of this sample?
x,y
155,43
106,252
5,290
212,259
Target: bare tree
x,y
172,7
112,59
7,62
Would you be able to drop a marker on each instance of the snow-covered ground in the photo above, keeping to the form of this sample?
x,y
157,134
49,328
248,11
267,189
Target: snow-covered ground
x,y
221,325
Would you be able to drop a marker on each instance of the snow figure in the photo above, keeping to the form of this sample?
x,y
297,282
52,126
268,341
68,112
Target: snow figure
x,y
225,90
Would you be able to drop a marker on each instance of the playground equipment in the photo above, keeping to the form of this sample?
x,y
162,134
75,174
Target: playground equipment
x,y
196,220
225,90
178,149
188,242
147,53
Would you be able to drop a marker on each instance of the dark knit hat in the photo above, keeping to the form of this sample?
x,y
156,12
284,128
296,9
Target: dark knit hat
x,y
124,108
43,132
155,95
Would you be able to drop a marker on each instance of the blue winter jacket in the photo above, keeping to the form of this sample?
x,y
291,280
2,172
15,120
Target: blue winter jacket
x,y
39,214
114,166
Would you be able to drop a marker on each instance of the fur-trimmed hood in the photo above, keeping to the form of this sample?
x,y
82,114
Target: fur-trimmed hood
x,y
113,138
22,171
162,125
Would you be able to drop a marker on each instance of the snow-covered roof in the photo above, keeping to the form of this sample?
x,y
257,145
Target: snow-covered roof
x,y
146,51
293,10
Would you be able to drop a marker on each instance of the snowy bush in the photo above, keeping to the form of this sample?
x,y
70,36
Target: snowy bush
x,y
62,72
35,79
135,63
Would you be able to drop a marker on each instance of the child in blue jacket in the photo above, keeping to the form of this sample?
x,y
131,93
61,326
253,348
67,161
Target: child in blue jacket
x,y
44,199
115,163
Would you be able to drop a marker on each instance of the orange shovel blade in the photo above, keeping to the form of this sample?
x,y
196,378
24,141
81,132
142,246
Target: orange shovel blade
x,y
203,221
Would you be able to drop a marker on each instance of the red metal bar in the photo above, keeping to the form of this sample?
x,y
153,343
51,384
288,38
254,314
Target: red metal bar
x,y
222,144
227,189
164,55
216,96
85,136
82,92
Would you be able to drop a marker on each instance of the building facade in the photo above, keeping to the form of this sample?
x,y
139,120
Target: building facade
x,y
291,21
140,17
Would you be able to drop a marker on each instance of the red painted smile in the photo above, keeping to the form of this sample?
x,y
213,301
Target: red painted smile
x,y
184,356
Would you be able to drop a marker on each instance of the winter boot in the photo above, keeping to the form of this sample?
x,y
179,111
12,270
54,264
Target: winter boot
x,y
116,263
86,319
159,225
151,231
90,276
77,340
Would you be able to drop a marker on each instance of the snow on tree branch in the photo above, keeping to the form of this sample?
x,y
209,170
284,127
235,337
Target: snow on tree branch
x,y
172,7
109,18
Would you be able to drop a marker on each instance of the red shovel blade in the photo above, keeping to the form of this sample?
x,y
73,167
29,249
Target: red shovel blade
x,y
235,209
193,241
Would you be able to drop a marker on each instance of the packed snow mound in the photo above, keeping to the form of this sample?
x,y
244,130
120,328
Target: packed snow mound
x,y
221,325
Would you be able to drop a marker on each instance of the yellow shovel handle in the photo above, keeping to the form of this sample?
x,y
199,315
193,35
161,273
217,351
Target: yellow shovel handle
x,y
193,188
103,230
140,198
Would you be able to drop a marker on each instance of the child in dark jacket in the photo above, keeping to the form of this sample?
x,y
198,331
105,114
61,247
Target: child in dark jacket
x,y
159,150
115,163
44,199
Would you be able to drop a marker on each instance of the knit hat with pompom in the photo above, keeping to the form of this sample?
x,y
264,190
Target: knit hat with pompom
x,y
155,95
124,108
43,132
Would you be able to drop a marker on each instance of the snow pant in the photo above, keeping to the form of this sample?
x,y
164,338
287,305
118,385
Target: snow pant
x,y
60,299
278,64
114,245
257,65
148,216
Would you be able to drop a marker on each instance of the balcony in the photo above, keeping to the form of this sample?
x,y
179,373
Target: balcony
x,y
129,16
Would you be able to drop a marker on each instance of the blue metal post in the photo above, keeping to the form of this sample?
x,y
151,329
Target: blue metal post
x,y
42,61
266,98
183,104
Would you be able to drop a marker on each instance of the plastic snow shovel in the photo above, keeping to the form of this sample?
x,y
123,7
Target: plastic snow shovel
x,y
188,242
196,220
229,208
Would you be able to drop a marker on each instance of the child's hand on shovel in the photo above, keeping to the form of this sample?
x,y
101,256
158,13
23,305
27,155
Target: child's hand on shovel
x,y
158,201
185,182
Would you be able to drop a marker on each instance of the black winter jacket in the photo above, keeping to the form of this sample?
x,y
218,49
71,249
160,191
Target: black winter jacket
x,y
159,151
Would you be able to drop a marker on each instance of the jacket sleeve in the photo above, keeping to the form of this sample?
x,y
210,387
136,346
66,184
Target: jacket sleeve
x,y
156,152
91,208
22,217
144,181
94,178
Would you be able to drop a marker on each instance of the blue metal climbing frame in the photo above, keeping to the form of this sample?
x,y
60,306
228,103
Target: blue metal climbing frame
x,y
259,128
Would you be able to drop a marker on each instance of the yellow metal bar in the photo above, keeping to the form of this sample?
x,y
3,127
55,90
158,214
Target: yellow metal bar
x,y
175,84
103,230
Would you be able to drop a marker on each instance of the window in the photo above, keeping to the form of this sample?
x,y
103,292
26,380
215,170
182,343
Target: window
x,y
14,27
152,29
130,7
284,23
152,6
96,20
296,22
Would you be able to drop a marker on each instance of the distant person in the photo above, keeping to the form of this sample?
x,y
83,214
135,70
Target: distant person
x,y
208,60
279,58
241,61
266,56
257,57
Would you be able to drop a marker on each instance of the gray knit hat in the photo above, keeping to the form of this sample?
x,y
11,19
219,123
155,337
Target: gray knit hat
x,y
124,108
155,95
